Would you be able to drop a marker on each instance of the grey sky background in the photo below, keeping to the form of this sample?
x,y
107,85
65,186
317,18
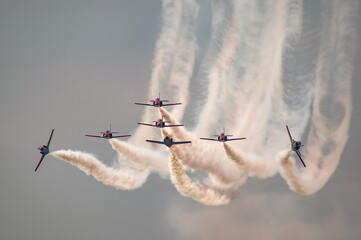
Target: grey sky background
x,y
77,66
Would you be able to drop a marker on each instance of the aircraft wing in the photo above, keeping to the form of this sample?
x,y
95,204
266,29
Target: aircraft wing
x,y
51,135
121,136
144,104
94,136
147,124
299,155
41,159
174,125
152,141
171,104
289,134
184,142
210,139
233,139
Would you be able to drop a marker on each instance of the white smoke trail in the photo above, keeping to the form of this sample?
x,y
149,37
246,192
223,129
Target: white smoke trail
x,y
123,179
331,110
254,165
259,75
184,58
266,72
201,193
162,63
218,73
289,171
150,159
174,60
203,155
219,22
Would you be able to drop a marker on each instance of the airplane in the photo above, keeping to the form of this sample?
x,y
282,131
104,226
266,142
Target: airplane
x,y
44,150
296,145
168,142
108,134
158,103
222,138
159,124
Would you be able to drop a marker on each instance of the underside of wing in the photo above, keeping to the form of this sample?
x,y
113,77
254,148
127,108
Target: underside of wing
x,y
209,139
41,159
51,135
299,156
96,136
173,125
183,142
233,139
121,136
171,104
152,141
144,104
289,134
147,124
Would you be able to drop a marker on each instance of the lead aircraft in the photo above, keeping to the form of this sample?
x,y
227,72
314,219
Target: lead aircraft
x,y
168,141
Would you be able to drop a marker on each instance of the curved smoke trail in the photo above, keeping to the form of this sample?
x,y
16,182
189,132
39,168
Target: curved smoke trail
x,y
123,179
266,64
254,165
204,156
150,159
201,193
288,170
331,109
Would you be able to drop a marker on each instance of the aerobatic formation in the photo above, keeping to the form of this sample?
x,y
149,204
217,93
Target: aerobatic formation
x,y
262,70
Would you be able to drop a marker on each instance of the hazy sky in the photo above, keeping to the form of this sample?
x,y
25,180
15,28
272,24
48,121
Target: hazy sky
x,y
77,66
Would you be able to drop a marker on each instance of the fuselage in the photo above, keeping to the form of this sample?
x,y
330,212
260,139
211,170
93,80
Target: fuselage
x,y
222,138
107,134
160,124
168,141
43,149
296,145
157,103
